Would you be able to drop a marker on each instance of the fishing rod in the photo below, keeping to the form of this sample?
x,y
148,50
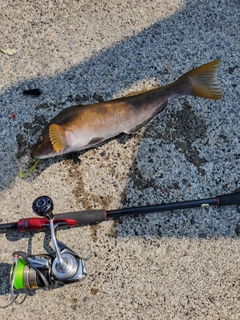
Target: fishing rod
x,y
77,218
64,266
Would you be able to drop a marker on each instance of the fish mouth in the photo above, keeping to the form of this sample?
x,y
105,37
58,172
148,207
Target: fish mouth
x,y
43,156
38,154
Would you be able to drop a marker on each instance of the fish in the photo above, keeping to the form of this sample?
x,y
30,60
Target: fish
x,y
86,126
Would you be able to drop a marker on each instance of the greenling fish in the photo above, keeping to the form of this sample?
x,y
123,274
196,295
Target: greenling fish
x,y
81,127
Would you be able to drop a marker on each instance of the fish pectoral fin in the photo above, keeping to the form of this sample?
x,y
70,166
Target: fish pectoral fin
x,y
57,137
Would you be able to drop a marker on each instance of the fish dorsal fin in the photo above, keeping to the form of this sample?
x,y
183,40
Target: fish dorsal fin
x,y
57,137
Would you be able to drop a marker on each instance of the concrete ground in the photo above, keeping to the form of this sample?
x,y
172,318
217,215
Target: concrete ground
x,y
174,265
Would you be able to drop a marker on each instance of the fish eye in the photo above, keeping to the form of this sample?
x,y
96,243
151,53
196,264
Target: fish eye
x,y
40,139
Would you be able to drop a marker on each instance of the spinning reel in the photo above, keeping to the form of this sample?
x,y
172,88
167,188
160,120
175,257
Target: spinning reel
x,y
45,270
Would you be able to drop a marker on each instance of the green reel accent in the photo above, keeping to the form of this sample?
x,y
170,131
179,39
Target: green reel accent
x,y
18,271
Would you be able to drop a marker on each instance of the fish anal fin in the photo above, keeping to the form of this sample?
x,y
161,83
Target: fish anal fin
x,y
57,137
136,128
95,141
145,122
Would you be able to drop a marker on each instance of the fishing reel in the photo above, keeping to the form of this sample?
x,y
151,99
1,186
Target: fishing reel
x,y
46,270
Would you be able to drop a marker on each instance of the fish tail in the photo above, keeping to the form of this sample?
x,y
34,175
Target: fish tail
x,y
201,81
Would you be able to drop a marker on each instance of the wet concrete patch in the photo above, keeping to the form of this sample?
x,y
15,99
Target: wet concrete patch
x,y
182,128
86,199
26,133
141,183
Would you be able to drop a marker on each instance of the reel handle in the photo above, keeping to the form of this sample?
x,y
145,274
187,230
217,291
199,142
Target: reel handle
x,y
43,207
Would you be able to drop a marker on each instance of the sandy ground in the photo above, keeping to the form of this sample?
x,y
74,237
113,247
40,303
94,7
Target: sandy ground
x,y
174,265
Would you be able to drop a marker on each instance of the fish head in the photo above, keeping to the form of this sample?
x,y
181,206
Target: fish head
x,y
44,147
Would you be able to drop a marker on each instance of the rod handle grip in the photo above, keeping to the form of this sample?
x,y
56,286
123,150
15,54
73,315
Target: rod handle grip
x,y
229,199
84,217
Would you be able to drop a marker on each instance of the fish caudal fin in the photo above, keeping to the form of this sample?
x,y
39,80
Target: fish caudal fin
x,y
57,137
202,81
